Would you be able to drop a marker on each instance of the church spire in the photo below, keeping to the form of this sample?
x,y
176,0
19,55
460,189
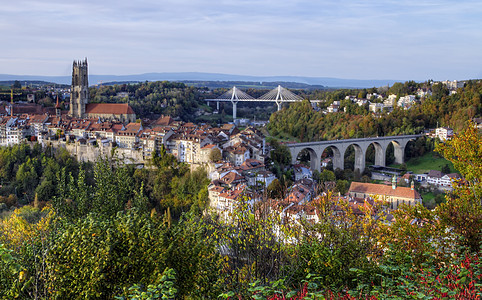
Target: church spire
x,y
394,182
58,113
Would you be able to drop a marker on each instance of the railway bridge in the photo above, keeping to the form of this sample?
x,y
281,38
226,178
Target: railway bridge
x,y
315,149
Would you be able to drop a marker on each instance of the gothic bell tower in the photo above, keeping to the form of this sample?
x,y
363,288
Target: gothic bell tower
x,y
79,90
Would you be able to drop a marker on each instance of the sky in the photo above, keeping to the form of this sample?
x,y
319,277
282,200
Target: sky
x,y
362,39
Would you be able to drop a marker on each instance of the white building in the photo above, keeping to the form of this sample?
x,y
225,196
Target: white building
x,y
444,133
440,179
376,107
422,93
262,177
453,85
406,102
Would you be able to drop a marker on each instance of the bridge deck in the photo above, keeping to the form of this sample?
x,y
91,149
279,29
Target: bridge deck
x,y
258,100
374,139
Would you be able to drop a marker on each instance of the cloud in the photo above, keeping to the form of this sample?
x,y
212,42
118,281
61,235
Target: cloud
x,y
351,39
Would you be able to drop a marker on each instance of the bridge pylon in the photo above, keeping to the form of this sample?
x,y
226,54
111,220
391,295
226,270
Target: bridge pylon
x,y
280,95
234,95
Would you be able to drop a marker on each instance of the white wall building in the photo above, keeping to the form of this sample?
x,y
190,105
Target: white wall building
x,y
444,133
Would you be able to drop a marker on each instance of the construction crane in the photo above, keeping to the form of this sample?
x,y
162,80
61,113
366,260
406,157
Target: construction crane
x,y
11,94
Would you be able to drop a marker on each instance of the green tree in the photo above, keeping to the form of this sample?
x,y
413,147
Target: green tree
x,y
463,208
96,257
163,288
17,85
275,190
12,276
342,186
327,175
215,155
338,242
445,169
280,154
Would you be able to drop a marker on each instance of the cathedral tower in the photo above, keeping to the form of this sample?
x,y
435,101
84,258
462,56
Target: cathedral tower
x,y
79,91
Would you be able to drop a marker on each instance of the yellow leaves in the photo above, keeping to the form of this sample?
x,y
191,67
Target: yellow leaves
x,y
465,152
22,275
17,230
463,210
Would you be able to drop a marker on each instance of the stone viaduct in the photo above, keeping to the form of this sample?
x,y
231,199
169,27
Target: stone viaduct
x,y
315,149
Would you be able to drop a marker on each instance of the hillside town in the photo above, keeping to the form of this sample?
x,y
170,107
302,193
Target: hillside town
x,y
378,103
239,150
234,159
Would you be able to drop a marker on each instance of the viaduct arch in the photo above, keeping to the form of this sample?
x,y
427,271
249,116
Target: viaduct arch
x,y
315,149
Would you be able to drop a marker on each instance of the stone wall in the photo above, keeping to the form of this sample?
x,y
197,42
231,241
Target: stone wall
x,y
87,152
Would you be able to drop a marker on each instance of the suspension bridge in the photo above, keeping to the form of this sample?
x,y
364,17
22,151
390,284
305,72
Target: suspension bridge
x,y
278,95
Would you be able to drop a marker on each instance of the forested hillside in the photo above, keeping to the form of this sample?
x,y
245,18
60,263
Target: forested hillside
x,y
153,98
302,123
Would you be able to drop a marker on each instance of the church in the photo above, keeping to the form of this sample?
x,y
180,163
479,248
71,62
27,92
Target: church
x,y
79,100
394,195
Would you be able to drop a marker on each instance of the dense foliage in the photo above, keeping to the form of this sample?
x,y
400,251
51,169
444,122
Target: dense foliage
x,y
32,175
104,234
97,238
153,98
27,171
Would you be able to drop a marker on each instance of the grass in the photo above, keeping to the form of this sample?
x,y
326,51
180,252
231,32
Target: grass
x,y
427,197
425,163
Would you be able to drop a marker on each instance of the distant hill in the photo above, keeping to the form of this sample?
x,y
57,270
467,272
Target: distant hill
x,y
30,83
251,84
210,77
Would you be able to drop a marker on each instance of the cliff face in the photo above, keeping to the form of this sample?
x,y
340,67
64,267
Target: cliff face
x,y
91,153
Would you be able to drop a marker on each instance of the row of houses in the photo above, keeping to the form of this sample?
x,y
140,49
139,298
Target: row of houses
x,y
302,201
405,102
232,184
387,103
246,184
188,142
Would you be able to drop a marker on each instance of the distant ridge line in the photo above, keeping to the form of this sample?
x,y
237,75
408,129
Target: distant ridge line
x,y
197,76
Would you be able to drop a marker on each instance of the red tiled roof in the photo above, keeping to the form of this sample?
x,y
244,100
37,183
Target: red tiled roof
x,y
37,118
453,175
208,146
383,190
435,173
216,189
164,121
232,177
251,164
27,109
108,108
